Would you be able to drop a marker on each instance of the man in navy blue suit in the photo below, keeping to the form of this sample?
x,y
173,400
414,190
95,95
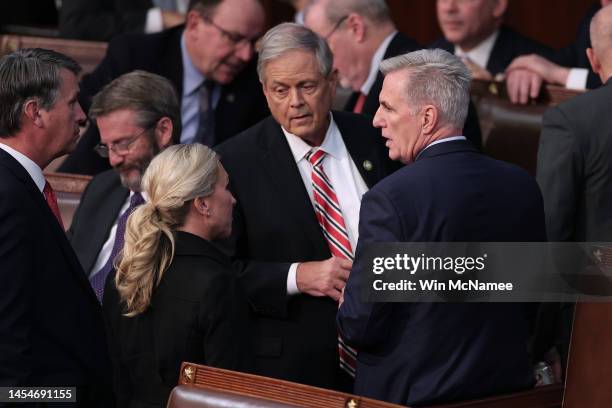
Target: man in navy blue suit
x,y
426,353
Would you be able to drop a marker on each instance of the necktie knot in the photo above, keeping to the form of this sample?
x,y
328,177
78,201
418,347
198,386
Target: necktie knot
x,y
315,156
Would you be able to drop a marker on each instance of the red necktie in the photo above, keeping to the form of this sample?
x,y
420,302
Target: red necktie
x,y
358,108
329,215
52,202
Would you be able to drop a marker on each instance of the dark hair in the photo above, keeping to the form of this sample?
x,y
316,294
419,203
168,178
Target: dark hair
x,y
151,96
29,73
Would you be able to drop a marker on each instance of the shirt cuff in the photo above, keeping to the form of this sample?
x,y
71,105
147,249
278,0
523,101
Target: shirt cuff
x,y
154,23
577,79
292,288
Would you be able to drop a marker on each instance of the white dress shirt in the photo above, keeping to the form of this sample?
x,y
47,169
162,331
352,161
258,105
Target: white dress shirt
x,y
32,168
375,64
344,176
480,54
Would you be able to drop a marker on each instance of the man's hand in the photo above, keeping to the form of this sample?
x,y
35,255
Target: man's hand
x,y
522,85
171,19
323,278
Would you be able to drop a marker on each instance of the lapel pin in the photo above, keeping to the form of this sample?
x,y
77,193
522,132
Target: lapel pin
x,y
230,98
367,165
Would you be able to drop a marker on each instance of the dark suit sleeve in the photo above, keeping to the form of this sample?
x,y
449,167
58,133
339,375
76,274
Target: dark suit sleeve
x,y
16,275
264,283
93,20
364,324
559,174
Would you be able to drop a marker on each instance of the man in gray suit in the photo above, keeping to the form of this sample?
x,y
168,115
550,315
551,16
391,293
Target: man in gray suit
x,y
575,167
137,114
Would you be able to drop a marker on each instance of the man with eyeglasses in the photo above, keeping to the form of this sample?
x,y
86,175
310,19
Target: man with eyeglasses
x,y
210,63
138,116
361,34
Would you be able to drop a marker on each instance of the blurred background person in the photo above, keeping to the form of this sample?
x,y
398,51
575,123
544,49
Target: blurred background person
x,y
101,20
173,297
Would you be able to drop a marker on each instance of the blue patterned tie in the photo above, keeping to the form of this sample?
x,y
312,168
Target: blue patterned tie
x,y
99,279
206,122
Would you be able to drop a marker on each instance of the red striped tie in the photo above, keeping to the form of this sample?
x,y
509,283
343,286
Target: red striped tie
x,y
329,215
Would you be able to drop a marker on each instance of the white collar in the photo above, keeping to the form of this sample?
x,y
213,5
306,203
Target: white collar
x,y
192,78
375,64
481,53
332,143
32,168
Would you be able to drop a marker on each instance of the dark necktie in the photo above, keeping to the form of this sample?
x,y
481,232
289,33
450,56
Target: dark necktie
x,y
329,215
99,279
52,202
206,122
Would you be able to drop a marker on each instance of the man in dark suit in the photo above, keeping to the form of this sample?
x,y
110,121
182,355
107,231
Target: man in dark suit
x,y
209,61
292,274
138,116
101,20
568,67
474,31
574,161
361,34
429,353
51,327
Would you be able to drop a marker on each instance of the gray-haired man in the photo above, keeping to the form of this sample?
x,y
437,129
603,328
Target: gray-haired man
x,y
429,353
295,264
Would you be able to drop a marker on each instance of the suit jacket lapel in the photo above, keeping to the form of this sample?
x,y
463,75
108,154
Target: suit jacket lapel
x,y
364,152
499,53
277,160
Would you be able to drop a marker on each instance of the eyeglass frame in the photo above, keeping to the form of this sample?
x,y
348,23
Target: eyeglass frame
x,y
104,150
336,27
236,39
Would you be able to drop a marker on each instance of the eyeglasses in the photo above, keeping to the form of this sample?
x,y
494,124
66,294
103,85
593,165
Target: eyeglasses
x,y
236,39
122,147
336,27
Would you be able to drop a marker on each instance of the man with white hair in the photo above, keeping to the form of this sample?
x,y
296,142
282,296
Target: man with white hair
x,y
430,353
298,177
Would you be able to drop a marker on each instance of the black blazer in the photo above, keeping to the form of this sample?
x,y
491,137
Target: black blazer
x,y
274,226
241,103
101,20
196,315
401,44
97,212
51,325
429,353
574,55
508,45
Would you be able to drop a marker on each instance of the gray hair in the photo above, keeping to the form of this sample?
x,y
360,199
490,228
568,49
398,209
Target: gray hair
x,y
335,10
435,77
26,74
289,37
151,96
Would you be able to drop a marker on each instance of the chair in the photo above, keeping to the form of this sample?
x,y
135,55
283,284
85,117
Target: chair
x,y
87,53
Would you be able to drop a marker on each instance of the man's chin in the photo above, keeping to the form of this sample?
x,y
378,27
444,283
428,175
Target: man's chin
x,y
131,179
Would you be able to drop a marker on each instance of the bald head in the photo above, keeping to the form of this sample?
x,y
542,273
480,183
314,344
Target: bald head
x,y
600,53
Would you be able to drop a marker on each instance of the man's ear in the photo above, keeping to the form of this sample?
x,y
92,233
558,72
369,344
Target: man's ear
x,y
595,63
163,132
192,20
357,25
499,8
32,111
429,119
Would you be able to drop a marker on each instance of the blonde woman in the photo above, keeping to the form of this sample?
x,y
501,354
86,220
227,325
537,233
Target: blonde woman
x,y
173,298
